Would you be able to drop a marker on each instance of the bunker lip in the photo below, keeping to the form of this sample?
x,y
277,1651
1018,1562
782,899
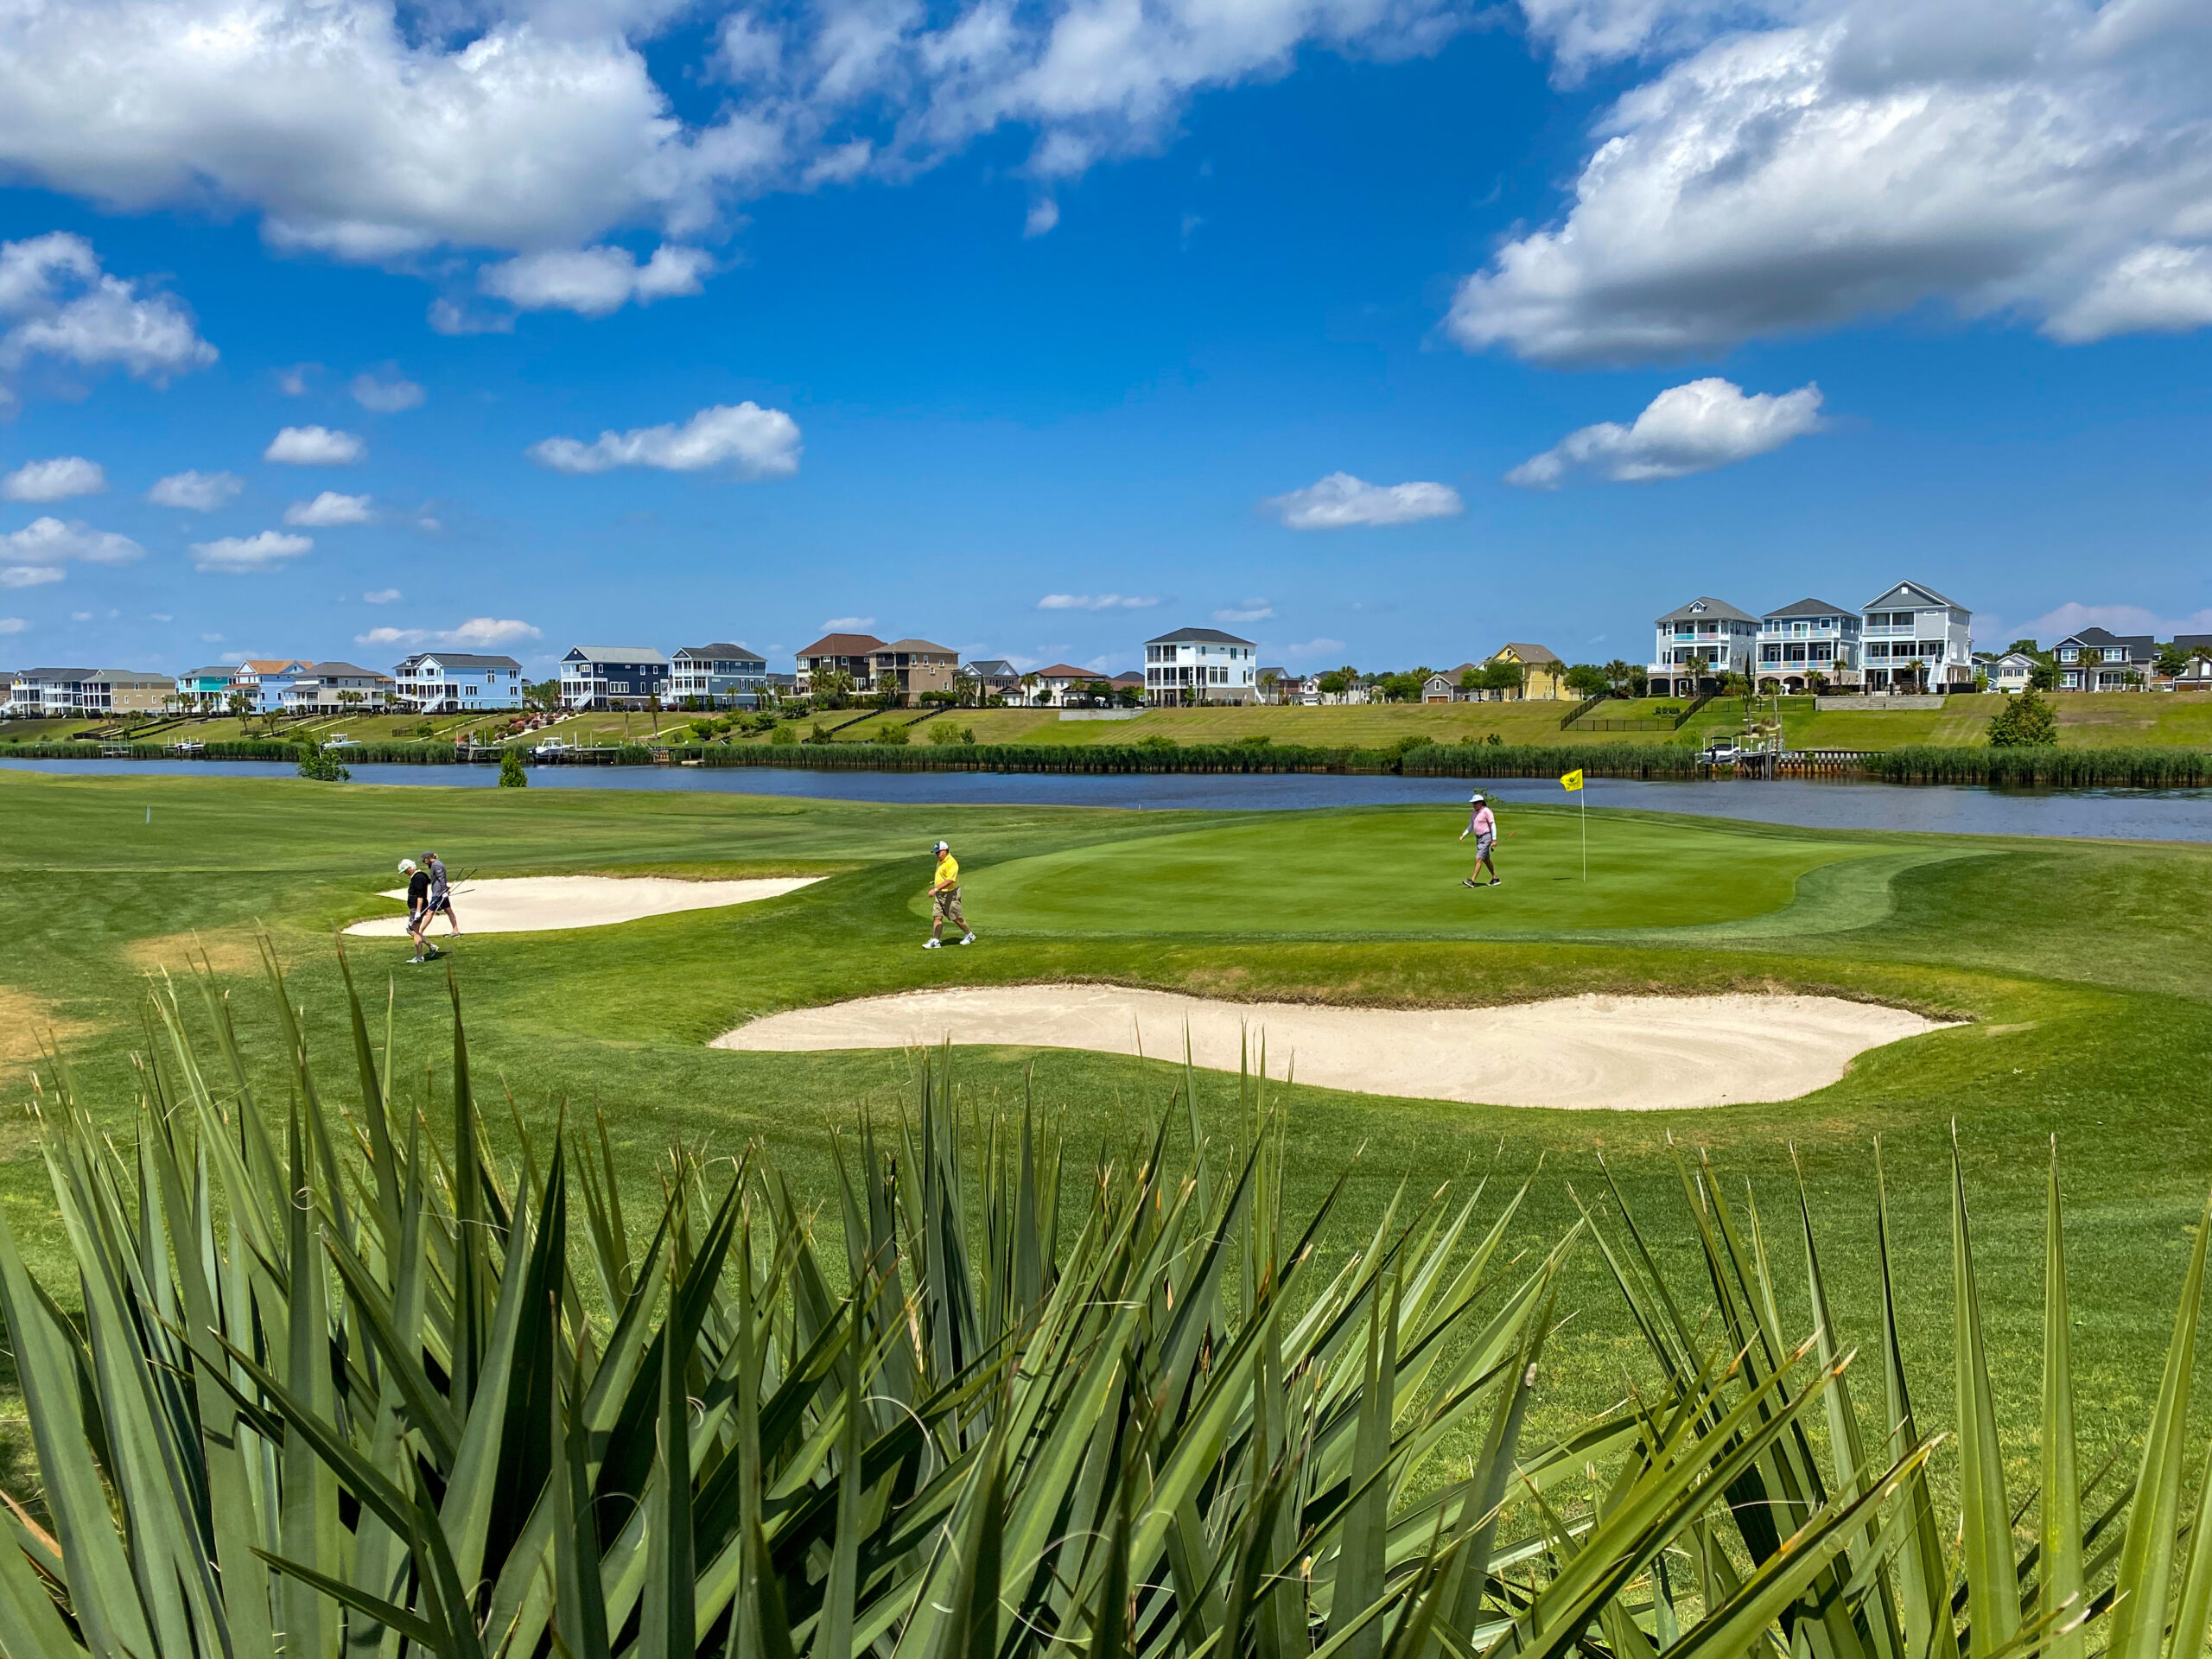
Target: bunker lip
x,y
1591,1052
544,904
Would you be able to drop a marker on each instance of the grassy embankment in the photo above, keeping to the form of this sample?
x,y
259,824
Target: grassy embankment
x,y
2089,985
2085,719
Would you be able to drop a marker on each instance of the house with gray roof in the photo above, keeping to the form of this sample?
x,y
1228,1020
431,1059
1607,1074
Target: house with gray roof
x,y
1194,665
612,677
1810,645
1915,639
1697,643
457,683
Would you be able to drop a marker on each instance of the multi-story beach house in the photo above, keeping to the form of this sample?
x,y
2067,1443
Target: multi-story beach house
x,y
838,653
717,677
265,679
1698,642
1914,639
205,689
2095,660
340,688
1810,644
1200,666
458,683
914,667
613,676
51,692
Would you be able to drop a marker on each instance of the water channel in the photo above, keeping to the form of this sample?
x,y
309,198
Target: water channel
x,y
2104,814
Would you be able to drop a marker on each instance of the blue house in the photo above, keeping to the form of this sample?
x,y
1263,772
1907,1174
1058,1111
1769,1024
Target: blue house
x,y
720,675
613,676
457,683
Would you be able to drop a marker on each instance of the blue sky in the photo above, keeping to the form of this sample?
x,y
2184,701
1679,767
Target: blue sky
x,y
1329,321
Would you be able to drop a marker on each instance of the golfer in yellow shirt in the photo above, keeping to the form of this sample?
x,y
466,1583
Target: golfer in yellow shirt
x,y
944,899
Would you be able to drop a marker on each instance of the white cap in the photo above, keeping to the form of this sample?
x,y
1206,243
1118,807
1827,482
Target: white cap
x,y
1474,798
941,848
407,866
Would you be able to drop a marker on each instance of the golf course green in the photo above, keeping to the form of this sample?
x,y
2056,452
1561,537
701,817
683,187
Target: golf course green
x,y
2083,970
1395,871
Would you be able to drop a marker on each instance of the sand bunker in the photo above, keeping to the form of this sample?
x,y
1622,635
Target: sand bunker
x,y
541,904
1619,1052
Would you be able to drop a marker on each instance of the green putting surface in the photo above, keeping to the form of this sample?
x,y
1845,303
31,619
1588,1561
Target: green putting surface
x,y
1398,871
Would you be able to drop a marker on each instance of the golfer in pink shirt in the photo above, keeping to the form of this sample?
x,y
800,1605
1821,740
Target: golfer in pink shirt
x,y
1482,825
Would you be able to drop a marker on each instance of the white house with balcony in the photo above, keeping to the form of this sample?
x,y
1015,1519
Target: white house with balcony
x,y
1915,639
1697,643
1811,643
340,688
457,683
1200,666
720,675
2013,671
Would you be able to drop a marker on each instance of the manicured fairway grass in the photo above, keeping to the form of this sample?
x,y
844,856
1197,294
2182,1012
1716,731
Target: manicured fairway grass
x,y
2086,970
1398,871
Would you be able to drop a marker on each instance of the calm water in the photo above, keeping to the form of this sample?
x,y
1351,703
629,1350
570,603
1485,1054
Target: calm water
x,y
2122,814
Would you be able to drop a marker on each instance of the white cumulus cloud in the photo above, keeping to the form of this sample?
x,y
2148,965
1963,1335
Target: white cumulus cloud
x,y
387,392
592,282
1097,602
12,625
478,633
330,510
369,131
247,555
2073,616
49,541
1684,430
380,596
197,491
30,575
54,481
1252,610
848,623
56,303
1823,161
748,439
315,446
1341,501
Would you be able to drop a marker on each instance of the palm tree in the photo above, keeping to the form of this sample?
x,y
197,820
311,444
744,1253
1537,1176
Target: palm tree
x,y
1617,674
1029,683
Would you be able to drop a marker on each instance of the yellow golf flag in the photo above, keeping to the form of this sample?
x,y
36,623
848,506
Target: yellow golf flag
x,y
1573,780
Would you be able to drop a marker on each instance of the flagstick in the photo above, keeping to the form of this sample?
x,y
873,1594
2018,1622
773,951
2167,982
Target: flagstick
x,y
1582,800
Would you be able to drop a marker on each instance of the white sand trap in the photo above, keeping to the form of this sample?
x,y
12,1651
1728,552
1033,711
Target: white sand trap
x,y
541,904
1619,1052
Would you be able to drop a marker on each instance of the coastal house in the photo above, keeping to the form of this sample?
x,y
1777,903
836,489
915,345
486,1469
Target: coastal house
x,y
913,667
1127,684
2010,672
339,688
1810,643
838,653
1543,676
459,682
2195,650
53,692
1065,685
1697,643
1914,639
206,688
613,676
994,676
720,675
1445,685
2095,660
1200,665
2195,673
265,679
